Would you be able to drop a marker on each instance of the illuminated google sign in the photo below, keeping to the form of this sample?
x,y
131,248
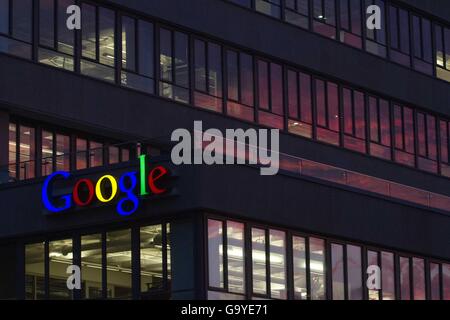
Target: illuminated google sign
x,y
106,189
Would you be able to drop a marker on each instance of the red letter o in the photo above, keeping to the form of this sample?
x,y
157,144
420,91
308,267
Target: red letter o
x,y
76,192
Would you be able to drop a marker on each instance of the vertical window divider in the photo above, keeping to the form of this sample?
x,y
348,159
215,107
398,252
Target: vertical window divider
x,y
73,154
397,277
55,23
191,67
416,136
97,34
341,114
367,121
427,278
38,151
224,64
345,265
379,261
76,252
411,278
285,94
314,107
441,282
256,106
157,62
308,268
164,257
248,261
328,271
46,270
77,45
118,47
225,255
136,262
267,247
35,31
289,266
364,266
104,264
387,23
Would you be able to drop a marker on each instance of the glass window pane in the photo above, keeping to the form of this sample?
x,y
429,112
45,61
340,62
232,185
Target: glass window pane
x,y
388,276
166,54
354,273
418,279
95,154
405,287
200,65
27,151
118,264
60,257
276,75
35,271
446,280
151,258
215,254
181,60
232,75
317,268
337,269
235,251
47,153
22,19
88,31
305,98
278,264
62,153
145,50
106,25
4,16
263,85
435,283
372,260
81,154
91,266
113,155
66,37
215,69
128,43
46,23
299,255
12,157
259,259
247,79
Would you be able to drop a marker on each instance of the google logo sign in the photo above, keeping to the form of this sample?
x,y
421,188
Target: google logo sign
x,y
107,188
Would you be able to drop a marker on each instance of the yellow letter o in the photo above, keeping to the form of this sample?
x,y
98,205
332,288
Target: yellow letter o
x,y
98,190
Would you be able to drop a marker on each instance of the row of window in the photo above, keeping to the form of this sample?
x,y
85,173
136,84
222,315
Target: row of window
x,y
157,60
106,264
405,37
246,261
36,151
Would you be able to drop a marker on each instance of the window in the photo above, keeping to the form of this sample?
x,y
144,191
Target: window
x,y
91,267
137,55
373,260
387,275
299,104
270,94
215,254
60,256
174,65
269,7
354,120
418,279
404,135
399,36
98,42
35,271
208,75
259,261
236,254
405,279
327,112
422,48
442,43
376,39
317,268
15,27
446,281
240,85
380,128
350,23
337,271
427,142
56,41
12,154
55,152
152,244
26,149
278,285
354,273
444,132
47,153
118,264
435,281
62,153
95,154
297,12
299,256
324,19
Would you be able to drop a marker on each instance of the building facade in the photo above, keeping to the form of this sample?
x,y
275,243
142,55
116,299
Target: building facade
x,y
86,118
